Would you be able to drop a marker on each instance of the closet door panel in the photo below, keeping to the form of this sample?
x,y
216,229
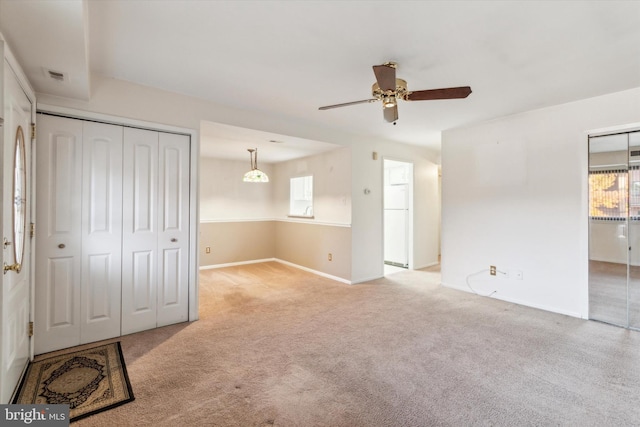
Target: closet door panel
x,y
58,253
173,236
101,231
140,231
143,295
170,293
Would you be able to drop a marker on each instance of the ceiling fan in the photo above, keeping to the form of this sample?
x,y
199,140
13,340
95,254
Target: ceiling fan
x,y
389,89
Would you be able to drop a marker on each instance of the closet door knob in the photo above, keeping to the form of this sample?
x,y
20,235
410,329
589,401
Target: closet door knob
x,y
62,246
174,240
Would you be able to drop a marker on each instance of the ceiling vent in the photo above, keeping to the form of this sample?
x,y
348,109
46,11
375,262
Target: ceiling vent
x,y
57,76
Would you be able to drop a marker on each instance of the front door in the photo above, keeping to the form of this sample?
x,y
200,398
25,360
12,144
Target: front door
x,y
16,190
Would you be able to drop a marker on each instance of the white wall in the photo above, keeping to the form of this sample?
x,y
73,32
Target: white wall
x,y
367,209
514,195
224,196
124,99
426,215
331,190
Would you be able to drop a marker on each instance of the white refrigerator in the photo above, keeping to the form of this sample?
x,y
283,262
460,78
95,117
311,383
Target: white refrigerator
x,y
396,225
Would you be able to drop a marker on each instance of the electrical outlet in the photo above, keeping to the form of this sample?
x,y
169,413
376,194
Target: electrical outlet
x,y
492,270
330,257
207,249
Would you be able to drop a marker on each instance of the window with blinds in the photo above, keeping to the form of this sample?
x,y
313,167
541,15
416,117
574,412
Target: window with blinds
x,y
614,194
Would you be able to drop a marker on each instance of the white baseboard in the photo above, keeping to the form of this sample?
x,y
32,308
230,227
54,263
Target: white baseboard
x,y
232,264
316,272
426,265
257,261
501,297
543,307
367,279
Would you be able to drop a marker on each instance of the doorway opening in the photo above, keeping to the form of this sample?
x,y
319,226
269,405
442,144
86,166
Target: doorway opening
x,y
398,216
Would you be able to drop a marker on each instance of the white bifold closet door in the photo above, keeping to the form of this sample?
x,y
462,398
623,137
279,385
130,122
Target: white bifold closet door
x,y
79,229
155,230
112,229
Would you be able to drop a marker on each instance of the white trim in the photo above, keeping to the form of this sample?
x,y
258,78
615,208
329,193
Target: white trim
x,y
257,261
367,279
110,119
631,127
207,221
17,70
316,272
194,181
517,301
313,222
431,264
331,224
411,220
194,227
233,264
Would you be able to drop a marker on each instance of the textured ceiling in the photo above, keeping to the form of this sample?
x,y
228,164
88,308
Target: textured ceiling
x,y
291,57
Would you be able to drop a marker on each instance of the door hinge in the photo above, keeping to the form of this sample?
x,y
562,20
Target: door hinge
x,y
32,230
33,131
30,329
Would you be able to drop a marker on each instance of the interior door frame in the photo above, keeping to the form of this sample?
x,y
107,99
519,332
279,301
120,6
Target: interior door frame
x,y
194,182
410,232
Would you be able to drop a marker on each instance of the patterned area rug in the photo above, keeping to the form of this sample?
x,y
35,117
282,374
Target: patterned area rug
x,y
89,381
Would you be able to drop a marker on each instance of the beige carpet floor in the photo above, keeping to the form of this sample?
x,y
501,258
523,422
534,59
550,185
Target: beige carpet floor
x,y
279,346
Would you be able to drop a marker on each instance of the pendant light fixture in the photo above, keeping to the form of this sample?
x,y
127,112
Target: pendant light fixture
x,y
255,174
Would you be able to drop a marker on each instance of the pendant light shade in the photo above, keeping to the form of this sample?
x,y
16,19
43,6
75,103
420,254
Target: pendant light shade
x,y
255,174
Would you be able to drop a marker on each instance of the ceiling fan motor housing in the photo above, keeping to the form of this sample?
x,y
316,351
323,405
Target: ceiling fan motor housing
x,y
401,91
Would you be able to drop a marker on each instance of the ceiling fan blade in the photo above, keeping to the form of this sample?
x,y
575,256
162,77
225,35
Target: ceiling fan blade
x,y
391,114
346,104
448,93
386,77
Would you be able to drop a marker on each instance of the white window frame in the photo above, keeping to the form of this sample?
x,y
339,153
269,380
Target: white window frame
x,y
301,191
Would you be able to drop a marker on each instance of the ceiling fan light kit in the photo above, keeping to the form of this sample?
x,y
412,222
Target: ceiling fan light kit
x,y
389,102
389,89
